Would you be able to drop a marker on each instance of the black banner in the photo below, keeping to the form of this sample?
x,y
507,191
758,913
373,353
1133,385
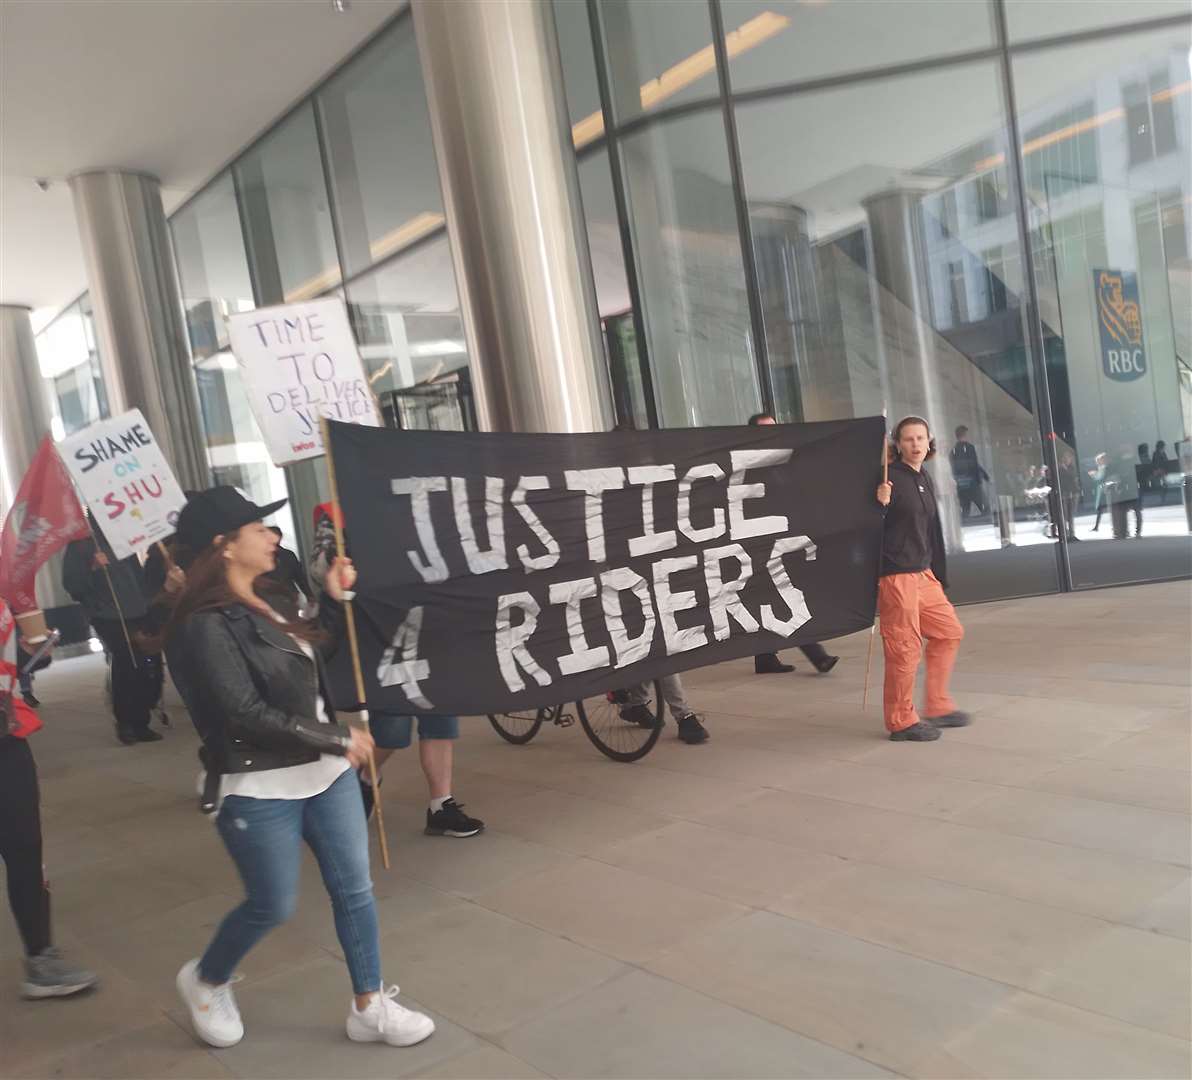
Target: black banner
x,y
502,572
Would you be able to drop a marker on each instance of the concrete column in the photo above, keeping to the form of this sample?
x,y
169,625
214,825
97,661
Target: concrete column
x,y
24,422
134,293
511,195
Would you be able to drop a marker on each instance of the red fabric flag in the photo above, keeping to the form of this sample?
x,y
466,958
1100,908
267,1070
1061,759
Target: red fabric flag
x,y
45,517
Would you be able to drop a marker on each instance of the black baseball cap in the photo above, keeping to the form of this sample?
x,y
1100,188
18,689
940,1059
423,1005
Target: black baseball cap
x,y
217,512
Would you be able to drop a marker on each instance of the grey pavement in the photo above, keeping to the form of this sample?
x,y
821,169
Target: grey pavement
x,y
796,898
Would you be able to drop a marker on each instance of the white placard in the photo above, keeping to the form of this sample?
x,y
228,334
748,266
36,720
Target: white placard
x,y
125,481
300,362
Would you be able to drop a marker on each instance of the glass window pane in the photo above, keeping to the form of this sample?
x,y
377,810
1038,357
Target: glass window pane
x,y
381,155
1110,196
687,244
886,245
286,216
781,41
579,71
213,276
407,322
1027,19
68,355
659,54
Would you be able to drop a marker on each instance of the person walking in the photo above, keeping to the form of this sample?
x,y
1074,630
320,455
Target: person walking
x,y
112,592
768,663
279,769
970,477
911,603
635,707
394,731
47,972
1097,474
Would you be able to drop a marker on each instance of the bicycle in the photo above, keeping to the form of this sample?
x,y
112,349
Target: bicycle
x,y
619,739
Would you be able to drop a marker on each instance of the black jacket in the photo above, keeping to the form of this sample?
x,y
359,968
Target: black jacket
x,y
89,586
913,539
251,692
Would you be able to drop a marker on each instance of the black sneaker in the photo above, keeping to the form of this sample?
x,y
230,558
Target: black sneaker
x,y
148,736
691,731
826,664
923,731
126,736
952,719
769,664
452,821
640,715
30,699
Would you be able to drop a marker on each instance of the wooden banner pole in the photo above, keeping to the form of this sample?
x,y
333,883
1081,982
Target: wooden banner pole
x,y
873,626
353,643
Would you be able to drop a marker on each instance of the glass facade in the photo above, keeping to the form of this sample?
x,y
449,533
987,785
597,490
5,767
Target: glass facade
x,y
976,211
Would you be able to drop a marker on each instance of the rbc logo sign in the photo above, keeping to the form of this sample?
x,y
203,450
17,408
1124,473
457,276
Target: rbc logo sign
x,y
1119,318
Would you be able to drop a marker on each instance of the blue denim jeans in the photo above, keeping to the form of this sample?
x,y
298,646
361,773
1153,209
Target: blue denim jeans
x,y
264,838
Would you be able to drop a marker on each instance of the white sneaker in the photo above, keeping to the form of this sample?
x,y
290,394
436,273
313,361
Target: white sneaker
x,y
384,1020
213,1011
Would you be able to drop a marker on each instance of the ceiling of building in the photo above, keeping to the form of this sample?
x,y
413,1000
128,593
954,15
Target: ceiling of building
x,y
173,89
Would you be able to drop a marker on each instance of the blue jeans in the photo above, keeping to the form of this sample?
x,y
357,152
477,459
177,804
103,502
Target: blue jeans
x,y
264,838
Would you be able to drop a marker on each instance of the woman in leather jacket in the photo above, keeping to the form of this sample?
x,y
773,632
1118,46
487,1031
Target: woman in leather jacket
x,y
279,768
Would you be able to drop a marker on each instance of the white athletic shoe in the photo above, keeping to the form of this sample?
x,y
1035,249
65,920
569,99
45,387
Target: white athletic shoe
x,y
213,1011
384,1020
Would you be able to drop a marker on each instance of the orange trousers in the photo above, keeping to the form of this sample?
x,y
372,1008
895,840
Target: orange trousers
x,y
913,607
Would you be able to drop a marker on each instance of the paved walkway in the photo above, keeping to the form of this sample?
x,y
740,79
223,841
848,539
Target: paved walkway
x,y
798,897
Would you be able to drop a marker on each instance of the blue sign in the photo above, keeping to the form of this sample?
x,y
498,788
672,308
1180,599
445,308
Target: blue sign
x,y
1119,318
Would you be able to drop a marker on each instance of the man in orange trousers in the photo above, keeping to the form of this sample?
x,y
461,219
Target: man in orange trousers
x,y
911,601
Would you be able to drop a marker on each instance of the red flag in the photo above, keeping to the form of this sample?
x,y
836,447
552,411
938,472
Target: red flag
x,y
45,517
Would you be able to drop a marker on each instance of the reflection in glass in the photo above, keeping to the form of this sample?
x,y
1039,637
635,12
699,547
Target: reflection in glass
x,y
68,355
286,215
784,41
213,276
407,322
886,245
1110,231
579,71
379,150
1026,19
690,271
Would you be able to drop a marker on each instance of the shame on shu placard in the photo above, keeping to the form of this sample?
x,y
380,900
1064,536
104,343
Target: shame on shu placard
x,y
125,481
299,363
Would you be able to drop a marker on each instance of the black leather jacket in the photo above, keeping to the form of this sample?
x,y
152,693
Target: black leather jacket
x,y
251,692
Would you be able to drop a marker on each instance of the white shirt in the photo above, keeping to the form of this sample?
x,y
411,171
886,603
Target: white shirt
x,y
291,781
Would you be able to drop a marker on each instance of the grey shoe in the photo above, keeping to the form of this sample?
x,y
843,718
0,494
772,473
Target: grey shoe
x,y
923,731
48,975
952,719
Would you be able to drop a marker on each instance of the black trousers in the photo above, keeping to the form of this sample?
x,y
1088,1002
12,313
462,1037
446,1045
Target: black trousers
x,y
969,497
136,678
20,844
1119,512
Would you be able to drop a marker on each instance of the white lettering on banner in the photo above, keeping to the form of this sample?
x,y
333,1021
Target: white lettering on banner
x,y
669,603
741,527
593,483
481,562
613,584
429,562
409,670
724,597
711,471
511,640
793,597
582,656
650,542
534,562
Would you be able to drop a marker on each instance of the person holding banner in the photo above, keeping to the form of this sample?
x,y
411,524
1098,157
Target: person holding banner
x,y
436,734
911,601
113,594
280,770
768,663
47,974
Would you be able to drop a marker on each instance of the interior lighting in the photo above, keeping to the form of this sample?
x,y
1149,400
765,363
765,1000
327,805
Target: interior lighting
x,y
681,75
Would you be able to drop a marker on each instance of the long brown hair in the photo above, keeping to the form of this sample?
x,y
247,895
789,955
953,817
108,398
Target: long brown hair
x,y
207,589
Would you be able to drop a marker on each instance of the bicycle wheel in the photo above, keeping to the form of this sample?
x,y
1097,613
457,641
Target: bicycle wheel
x,y
518,727
621,740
